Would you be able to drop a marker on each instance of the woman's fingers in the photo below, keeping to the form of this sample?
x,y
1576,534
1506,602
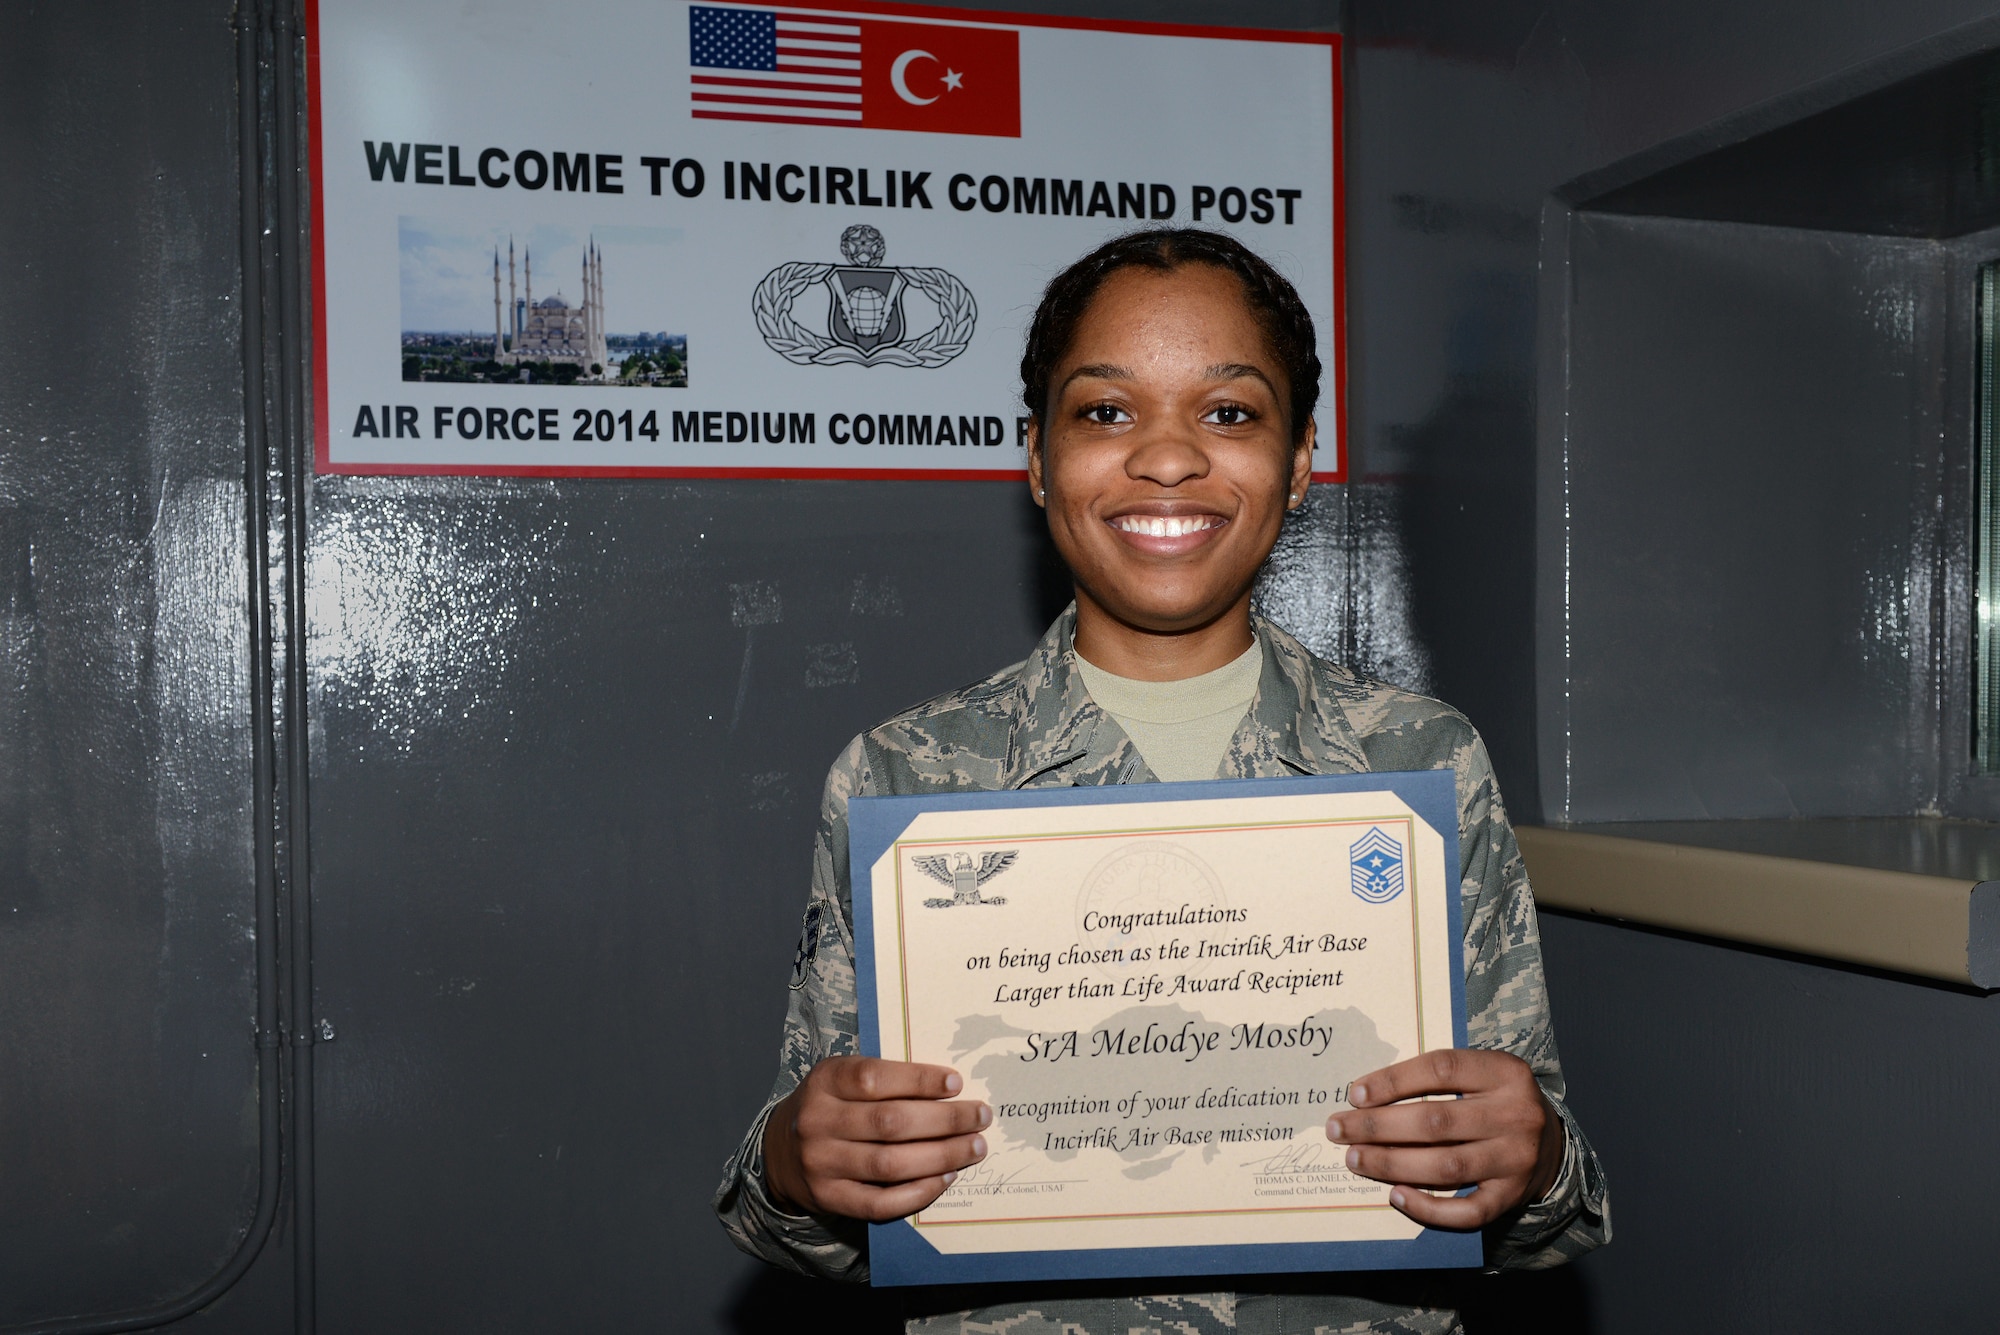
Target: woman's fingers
x,y
859,1200
871,1138
1461,1214
1495,1134
1448,1166
1439,1122
909,1119
1443,1071
894,1122
868,1079
891,1165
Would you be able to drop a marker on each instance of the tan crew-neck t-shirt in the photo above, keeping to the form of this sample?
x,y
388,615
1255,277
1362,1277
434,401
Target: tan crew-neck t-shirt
x,y
1182,728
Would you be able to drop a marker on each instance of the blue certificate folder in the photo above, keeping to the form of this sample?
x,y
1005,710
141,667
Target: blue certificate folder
x,y
899,1255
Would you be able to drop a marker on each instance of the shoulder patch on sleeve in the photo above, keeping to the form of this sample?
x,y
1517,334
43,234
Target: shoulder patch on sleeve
x,y
802,959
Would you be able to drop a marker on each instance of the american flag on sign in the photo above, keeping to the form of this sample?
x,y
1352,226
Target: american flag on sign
x,y
864,73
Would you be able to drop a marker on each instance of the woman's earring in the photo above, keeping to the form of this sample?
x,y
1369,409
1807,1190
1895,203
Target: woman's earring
x,y
1295,498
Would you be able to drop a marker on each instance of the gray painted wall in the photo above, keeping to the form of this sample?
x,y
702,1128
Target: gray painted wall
x,y
1753,469
566,736
128,1130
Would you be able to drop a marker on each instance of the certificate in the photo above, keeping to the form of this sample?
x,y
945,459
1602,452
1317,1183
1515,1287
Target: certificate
x,y
1162,991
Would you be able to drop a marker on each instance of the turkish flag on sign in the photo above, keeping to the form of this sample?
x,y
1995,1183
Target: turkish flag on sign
x,y
941,78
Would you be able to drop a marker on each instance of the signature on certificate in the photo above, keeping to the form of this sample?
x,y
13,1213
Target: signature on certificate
x,y
1294,1159
993,1179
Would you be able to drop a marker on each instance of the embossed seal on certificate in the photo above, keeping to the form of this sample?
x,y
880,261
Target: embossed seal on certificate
x,y
1147,889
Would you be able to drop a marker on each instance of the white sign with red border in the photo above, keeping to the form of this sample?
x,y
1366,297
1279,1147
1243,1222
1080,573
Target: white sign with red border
x,y
611,238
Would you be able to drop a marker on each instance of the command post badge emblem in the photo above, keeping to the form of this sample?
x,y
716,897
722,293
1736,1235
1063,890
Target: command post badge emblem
x,y
1377,864
865,321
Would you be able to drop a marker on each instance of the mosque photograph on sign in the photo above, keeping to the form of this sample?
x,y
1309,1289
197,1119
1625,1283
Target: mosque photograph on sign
x,y
542,306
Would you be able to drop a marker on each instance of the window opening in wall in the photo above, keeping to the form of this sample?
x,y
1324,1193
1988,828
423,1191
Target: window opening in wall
x,y
1986,723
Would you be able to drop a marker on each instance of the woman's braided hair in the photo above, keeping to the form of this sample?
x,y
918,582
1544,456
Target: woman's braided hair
x,y
1273,300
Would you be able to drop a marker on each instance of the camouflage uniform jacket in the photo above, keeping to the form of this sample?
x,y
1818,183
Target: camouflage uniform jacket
x,y
1034,725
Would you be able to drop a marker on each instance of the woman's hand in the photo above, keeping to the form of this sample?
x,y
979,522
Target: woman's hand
x,y
1499,1135
871,1139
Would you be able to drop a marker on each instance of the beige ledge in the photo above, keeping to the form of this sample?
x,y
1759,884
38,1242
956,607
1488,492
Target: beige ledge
x,y
1934,926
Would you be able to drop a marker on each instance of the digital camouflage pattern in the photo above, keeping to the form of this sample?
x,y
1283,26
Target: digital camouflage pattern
x,y
1034,725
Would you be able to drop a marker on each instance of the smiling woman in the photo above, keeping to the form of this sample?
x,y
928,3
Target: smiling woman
x,y
1170,379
